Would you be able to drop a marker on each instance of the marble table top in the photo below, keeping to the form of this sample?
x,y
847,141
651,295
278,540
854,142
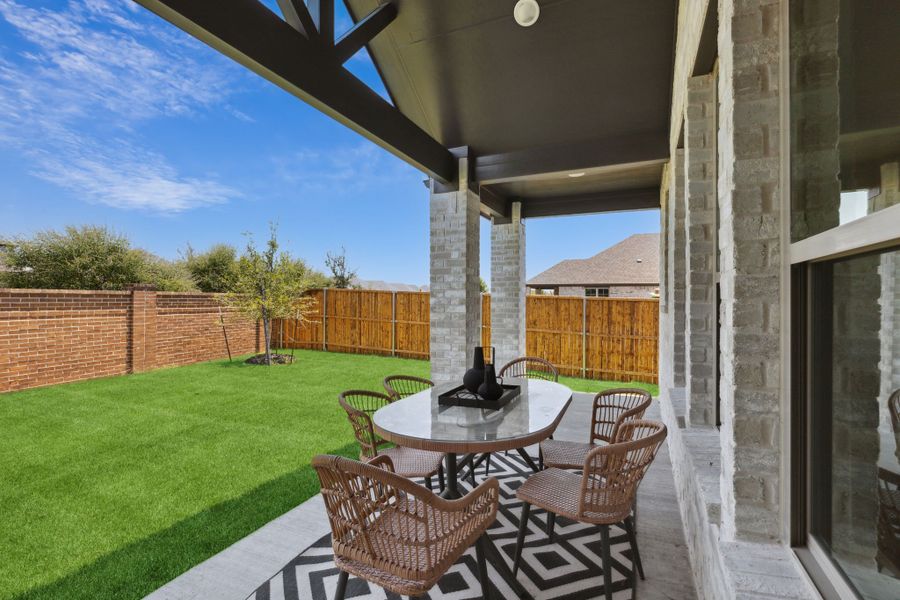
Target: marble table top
x,y
418,421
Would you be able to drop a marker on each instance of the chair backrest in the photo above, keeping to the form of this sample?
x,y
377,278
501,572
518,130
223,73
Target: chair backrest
x,y
613,472
530,367
360,498
401,386
360,405
613,407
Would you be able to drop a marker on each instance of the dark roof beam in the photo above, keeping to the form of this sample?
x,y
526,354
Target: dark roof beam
x,y
298,17
365,31
493,205
642,147
251,34
322,12
619,200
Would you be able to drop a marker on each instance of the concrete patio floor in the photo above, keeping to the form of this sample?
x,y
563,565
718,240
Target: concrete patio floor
x,y
237,571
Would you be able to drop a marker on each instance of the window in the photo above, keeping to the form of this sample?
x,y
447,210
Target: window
x,y
852,409
597,292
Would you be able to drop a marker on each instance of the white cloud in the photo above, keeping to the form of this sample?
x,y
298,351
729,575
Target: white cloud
x,y
92,73
345,169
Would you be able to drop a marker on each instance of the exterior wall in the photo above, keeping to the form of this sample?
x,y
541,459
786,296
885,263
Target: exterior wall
x,y
700,223
750,249
455,284
676,264
56,336
615,291
508,287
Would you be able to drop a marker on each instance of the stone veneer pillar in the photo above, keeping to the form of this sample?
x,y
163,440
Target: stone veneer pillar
x,y
676,265
508,286
700,224
750,267
455,284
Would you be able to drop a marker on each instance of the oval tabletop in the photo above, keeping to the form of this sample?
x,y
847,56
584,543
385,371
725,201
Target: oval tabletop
x,y
418,421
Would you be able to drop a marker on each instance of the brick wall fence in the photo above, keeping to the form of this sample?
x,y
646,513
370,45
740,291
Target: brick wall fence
x,y
55,336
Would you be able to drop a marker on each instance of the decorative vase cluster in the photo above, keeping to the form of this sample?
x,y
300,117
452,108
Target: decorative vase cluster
x,y
482,378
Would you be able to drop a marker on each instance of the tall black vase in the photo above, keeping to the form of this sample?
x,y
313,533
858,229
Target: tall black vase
x,y
474,377
490,389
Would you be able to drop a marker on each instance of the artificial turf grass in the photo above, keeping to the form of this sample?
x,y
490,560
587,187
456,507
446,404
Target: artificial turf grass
x,y
110,488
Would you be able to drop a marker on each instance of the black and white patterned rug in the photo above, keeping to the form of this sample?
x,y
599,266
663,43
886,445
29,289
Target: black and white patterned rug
x,y
569,568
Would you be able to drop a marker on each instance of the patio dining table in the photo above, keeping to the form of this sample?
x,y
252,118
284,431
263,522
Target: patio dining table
x,y
419,421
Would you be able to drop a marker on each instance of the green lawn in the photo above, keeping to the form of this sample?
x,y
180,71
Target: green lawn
x,y
110,488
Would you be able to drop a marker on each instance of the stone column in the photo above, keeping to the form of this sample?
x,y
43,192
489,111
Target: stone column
x,y
676,265
508,286
750,232
700,224
455,283
142,328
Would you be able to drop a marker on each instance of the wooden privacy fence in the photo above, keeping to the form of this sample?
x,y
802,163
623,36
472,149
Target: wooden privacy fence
x,y
598,338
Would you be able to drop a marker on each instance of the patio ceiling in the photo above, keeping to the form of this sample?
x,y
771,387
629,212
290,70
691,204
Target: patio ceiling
x,y
586,89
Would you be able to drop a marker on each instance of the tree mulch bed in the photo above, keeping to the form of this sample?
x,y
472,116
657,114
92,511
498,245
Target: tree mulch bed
x,y
277,359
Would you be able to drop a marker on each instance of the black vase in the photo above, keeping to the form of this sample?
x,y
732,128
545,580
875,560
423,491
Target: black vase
x,y
490,388
475,376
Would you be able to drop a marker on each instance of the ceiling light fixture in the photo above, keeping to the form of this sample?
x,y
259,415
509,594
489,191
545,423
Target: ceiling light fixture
x,y
526,12
578,174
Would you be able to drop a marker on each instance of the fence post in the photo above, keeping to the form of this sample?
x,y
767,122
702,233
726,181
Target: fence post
x,y
324,319
584,337
394,323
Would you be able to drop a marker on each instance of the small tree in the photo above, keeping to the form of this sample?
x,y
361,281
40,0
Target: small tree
x,y
341,275
214,270
269,285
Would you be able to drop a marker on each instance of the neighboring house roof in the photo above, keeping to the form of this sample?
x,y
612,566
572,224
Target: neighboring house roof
x,y
377,284
634,260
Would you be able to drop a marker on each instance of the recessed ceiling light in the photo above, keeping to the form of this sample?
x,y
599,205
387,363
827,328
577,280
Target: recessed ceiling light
x,y
526,12
578,174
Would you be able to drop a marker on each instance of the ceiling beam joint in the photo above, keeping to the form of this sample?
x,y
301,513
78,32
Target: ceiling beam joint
x,y
364,32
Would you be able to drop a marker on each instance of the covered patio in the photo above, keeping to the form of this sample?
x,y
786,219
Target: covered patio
x,y
695,108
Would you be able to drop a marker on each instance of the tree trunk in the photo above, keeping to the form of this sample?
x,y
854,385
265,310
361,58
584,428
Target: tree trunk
x,y
266,337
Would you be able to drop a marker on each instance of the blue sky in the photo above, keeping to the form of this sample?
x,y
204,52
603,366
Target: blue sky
x,y
109,115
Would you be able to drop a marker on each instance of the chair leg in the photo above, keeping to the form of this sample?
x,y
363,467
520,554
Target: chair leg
x,y
472,469
482,567
441,483
551,524
487,464
632,539
341,586
520,540
607,562
428,484
540,458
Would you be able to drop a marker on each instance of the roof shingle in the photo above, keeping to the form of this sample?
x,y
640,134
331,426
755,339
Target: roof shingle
x,y
633,261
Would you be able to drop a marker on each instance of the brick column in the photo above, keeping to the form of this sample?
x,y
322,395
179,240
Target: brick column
x,y
676,265
455,283
750,268
508,286
700,223
142,328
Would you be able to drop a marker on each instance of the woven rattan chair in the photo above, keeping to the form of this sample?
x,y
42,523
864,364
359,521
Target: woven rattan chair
x,y
393,533
401,386
602,495
611,409
530,367
360,405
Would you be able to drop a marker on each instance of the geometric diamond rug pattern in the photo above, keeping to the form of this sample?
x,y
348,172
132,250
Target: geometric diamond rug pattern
x,y
571,567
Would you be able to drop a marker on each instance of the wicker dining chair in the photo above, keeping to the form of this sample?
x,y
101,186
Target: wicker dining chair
x,y
360,405
530,367
401,386
602,495
525,367
393,533
611,409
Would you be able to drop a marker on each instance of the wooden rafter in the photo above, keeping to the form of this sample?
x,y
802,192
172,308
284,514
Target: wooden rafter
x,y
254,36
